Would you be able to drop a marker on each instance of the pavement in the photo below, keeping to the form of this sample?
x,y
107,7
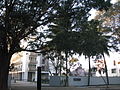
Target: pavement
x,y
20,85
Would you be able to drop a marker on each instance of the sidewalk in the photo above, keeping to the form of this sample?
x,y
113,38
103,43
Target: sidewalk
x,y
33,86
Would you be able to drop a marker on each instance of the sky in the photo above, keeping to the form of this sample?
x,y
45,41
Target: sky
x,y
114,1
93,11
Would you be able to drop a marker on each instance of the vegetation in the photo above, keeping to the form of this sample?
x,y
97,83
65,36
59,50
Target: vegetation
x,y
23,21
57,61
19,20
110,23
72,33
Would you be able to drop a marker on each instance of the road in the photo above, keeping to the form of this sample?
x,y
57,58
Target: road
x,y
33,86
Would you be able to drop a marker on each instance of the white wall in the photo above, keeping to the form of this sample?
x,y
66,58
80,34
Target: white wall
x,y
73,81
93,81
83,81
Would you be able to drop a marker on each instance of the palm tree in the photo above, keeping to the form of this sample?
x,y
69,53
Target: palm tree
x,y
87,43
92,43
104,49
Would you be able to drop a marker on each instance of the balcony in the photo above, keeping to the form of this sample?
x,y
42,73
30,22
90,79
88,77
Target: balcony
x,y
33,62
32,67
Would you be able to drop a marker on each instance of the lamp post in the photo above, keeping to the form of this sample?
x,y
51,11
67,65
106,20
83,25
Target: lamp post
x,y
39,78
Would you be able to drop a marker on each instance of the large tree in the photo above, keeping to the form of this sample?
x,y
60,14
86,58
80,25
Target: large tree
x,y
110,22
94,43
20,19
71,19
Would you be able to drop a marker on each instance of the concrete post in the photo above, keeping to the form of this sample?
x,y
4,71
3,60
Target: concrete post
x,y
38,78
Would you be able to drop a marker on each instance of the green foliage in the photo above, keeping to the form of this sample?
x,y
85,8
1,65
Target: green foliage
x,y
93,42
71,18
25,19
20,20
110,23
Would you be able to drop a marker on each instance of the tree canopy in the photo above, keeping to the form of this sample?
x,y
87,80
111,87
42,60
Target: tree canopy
x,y
19,19
110,23
25,19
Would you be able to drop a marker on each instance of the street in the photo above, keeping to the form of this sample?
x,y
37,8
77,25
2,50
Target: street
x,y
32,86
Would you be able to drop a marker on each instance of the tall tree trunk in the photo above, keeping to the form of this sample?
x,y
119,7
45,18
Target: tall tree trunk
x,y
106,71
89,73
60,67
60,58
4,71
56,71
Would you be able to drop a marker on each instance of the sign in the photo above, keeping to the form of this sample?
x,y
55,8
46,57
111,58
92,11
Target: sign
x,y
76,79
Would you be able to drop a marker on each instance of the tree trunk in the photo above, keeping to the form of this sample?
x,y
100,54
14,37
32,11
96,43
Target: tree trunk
x,y
60,67
56,70
89,73
106,71
4,71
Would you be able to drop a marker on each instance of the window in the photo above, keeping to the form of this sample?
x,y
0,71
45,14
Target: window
x,y
32,59
119,70
39,54
113,70
43,68
43,61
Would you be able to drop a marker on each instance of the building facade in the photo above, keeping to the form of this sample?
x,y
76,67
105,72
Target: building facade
x,y
113,68
25,66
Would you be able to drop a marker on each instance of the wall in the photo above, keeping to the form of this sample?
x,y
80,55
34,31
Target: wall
x,y
9,81
83,81
93,81
78,81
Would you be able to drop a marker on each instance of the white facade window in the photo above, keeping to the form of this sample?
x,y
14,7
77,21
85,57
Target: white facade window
x,y
33,59
43,61
113,70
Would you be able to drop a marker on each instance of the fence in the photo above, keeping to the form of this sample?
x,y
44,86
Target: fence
x,y
82,81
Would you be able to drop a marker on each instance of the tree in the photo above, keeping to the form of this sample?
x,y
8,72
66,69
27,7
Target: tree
x,y
56,60
110,23
19,19
93,43
104,48
71,19
63,44
88,43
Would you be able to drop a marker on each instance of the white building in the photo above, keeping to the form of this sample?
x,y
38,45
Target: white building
x,y
114,69
112,61
113,65
25,66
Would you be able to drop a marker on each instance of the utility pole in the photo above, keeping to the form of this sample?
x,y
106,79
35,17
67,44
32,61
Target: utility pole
x,y
39,78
